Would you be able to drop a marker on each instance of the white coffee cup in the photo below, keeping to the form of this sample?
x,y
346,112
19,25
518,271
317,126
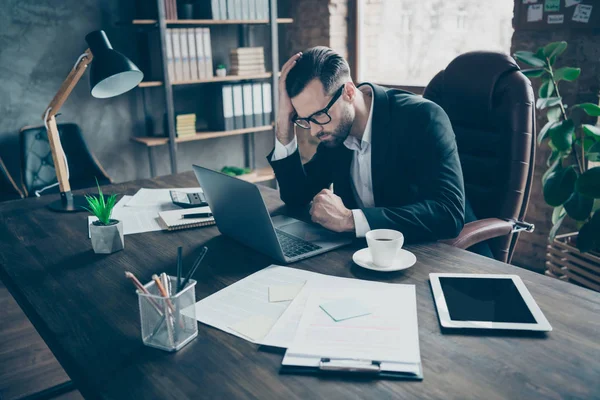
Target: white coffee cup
x,y
384,245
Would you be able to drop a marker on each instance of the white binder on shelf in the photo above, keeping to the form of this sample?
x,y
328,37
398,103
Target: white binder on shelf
x,y
170,59
227,97
248,107
185,54
208,65
257,105
231,9
384,343
267,104
200,54
192,56
215,7
238,107
177,55
251,9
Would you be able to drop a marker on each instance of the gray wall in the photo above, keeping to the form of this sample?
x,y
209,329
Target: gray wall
x,y
39,43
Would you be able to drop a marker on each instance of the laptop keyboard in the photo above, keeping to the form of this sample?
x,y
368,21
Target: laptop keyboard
x,y
293,246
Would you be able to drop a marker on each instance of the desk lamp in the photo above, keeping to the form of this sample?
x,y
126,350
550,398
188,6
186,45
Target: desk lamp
x,y
111,74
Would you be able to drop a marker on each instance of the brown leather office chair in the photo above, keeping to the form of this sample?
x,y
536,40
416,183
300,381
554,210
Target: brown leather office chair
x,y
9,190
492,109
37,165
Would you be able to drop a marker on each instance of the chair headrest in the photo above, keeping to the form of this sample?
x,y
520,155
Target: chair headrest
x,y
465,89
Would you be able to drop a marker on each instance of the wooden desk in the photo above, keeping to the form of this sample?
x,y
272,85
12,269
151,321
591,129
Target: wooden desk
x,y
87,312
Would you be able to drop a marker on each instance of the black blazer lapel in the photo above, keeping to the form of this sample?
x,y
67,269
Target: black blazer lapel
x,y
379,141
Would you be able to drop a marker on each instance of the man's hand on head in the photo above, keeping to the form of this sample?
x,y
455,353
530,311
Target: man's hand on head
x,y
329,211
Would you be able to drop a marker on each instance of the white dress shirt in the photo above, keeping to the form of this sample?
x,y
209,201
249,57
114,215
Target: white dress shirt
x,y
360,168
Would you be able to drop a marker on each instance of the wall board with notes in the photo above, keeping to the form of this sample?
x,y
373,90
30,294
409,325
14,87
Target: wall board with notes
x,y
557,14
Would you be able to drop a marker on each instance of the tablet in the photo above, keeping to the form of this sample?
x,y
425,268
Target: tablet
x,y
486,302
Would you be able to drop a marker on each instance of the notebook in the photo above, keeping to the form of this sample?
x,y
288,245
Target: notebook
x,y
173,219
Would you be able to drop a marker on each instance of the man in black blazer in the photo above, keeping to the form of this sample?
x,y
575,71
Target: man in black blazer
x,y
390,155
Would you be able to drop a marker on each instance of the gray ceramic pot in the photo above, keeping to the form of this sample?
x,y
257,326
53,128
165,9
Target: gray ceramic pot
x,y
107,239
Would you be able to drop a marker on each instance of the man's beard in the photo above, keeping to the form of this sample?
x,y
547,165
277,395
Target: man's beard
x,y
337,137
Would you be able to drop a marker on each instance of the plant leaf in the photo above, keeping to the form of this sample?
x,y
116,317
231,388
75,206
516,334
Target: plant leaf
x,y
590,109
579,206
561,134
534,73
556,165
559,185
553,113
558,213
591,130
544,132
567,74
589,234
547,102
588,183
555,227
593,153
527,57
554,49
544,90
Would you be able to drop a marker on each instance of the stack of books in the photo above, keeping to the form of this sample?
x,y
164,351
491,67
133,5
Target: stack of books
x,y
185,124
247,61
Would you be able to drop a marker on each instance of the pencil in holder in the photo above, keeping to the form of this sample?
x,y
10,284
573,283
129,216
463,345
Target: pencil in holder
x,y
168,323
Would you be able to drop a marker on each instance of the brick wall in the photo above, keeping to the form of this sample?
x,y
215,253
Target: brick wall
x,y
583,52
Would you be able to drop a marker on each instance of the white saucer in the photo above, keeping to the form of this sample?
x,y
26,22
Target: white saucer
x,y
404,259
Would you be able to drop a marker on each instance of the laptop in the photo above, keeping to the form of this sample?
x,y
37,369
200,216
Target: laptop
x,y
241,213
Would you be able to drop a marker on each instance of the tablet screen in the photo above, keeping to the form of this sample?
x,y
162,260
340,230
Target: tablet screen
x,y
485,299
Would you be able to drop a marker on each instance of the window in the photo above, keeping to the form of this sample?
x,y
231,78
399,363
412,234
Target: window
x,y
407,42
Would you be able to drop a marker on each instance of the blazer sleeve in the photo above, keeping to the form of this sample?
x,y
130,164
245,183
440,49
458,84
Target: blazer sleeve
x,y
299,183
439,212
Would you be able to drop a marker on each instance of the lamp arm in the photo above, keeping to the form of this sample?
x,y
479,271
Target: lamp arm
x,y
69,84
49,117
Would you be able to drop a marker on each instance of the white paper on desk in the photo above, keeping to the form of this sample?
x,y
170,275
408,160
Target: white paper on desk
x,y
570,3
390,334
283,332
157,197
135,220
248,299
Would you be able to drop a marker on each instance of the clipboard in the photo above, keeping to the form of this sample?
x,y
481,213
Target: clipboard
x,y
383,344
367,368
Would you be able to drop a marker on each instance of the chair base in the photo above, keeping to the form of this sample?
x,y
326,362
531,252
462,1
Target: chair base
x,y
68,203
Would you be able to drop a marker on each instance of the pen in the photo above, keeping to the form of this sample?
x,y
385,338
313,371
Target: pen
x,y
198,215
179,267
168,304
142,289
194,268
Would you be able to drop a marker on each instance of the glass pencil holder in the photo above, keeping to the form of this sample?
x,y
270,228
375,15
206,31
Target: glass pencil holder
x,y
168,323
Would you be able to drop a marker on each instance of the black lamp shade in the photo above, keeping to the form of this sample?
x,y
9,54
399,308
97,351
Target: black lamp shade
x,y
111,73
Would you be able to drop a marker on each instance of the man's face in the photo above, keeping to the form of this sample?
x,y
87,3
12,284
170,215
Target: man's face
x,y
313,99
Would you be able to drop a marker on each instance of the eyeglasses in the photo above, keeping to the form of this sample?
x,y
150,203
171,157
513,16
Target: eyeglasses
x,y
320,117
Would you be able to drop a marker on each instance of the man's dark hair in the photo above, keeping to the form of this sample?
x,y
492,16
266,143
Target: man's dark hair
x,y
318,62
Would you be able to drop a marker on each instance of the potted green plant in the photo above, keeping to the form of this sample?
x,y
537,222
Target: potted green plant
x,y
106,233
571,184
221,70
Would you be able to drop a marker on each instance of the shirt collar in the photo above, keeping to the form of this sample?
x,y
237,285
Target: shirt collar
x,y
351,142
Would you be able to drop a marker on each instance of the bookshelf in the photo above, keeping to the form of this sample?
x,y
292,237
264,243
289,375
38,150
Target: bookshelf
x,y
166,85
206,22
151,141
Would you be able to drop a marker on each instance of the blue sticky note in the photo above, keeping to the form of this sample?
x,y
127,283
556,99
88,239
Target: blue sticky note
x,y
342,309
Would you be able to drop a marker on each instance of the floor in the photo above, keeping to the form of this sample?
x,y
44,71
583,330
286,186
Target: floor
x,y
27,365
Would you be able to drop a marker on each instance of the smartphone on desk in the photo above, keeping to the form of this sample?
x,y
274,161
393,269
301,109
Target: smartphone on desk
x,y
188,200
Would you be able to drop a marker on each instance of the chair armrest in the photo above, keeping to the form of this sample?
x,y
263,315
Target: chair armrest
x,y
479,231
